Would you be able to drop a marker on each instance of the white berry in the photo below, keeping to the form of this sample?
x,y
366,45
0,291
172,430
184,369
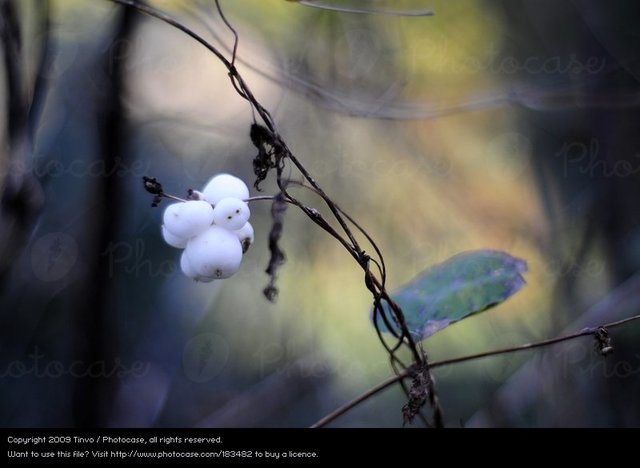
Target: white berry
x,y
188,219
225,186
231,213
188,270
173,241
245,236
216,253
196,195
185,266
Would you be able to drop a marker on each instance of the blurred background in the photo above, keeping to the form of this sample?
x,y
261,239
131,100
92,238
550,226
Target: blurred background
x,y
509,125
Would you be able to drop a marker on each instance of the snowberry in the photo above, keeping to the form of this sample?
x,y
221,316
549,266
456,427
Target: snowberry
x,y
225,186
215,253
212,227
185,266
196,195
173,241
188,270
245,236
188,219
231,213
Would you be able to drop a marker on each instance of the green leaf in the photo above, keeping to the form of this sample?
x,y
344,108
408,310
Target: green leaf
x,y
464,285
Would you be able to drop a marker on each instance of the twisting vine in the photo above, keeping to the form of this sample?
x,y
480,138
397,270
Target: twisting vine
x,y
273,154
602,345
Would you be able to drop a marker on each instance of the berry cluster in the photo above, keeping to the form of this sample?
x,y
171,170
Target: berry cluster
x,y
213,229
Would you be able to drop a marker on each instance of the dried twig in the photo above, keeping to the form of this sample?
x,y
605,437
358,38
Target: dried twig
x,y
272,154
595,331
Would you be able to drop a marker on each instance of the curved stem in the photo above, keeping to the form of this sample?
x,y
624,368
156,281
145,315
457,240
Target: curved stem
x,y
447,362
365,10
233,31
172,197
350,243
262,197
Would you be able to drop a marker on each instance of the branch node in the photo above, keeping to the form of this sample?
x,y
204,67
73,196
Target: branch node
x,y
270,152
603,341
152,185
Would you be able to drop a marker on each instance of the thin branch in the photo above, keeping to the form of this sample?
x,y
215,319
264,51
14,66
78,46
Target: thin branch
x,y
261,197
555,95
280,152
447,362
381,264
147,10
232,29
363,11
